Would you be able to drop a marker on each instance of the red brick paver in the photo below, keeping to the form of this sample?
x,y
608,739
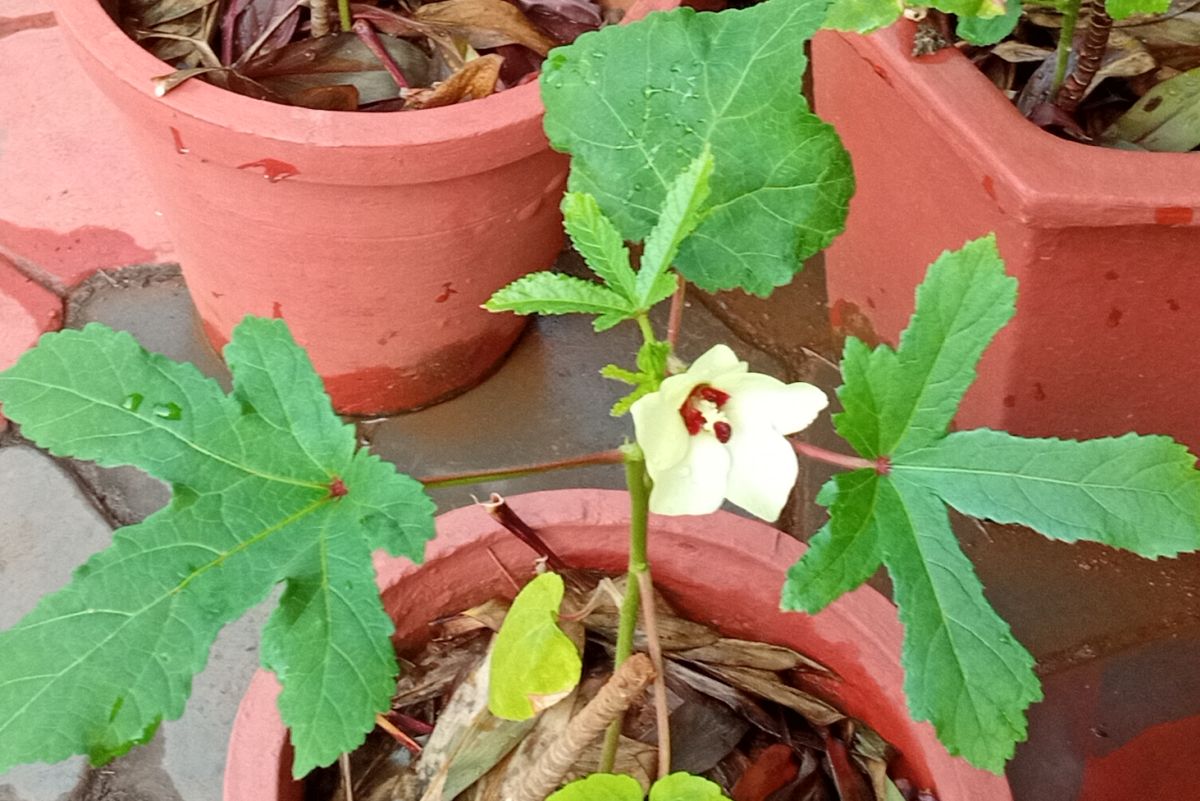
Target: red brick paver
x,y
72,198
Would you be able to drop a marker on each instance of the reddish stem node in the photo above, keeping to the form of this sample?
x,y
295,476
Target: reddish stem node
x,y
337,488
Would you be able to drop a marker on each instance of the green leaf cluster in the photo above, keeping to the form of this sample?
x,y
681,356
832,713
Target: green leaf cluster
x,y
616,787
622,293
635,104
267,488
964,670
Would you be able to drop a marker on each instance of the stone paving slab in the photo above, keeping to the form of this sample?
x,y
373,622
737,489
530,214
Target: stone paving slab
x,y
72,197
47,527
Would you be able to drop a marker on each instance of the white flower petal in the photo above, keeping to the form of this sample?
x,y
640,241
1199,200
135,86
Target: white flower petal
x,y
717,361
659,429
762,471
694,486
760,399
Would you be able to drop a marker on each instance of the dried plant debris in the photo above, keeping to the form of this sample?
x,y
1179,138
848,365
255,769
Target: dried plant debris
x,y
1145,94
398,55
739,712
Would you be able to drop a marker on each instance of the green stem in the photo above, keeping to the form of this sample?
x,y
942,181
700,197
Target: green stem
x,y
638,482
643,322
614,456
344,14
1066,39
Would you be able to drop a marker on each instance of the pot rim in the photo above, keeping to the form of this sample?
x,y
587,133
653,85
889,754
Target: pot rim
x,y
1042,179
92,30
874,628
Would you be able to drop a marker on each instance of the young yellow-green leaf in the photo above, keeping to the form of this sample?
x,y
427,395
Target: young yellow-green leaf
x,y
989,30
910,399
1137,493
845,552
863,16
600,787
636,104
964,671
681,213
652,368
267,487
555,293
685,787
1120,9
534,664
600,243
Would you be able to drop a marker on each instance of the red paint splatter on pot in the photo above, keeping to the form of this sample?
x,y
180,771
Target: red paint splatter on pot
x,y
989,186
217,295
1112,275
1114,317
177,138
1173,215
383,340
277,310
1010,401
870,303
447,290
1172,304
1039,392
273,169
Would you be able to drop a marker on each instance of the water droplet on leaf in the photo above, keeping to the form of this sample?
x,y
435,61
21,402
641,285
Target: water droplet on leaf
x,y
132,401
168,411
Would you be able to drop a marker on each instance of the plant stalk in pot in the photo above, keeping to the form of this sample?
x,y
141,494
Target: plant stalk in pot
x,y
720,170
375,235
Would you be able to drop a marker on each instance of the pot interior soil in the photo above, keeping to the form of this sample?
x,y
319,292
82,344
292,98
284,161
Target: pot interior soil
x,y
388,55
1145,94
746,715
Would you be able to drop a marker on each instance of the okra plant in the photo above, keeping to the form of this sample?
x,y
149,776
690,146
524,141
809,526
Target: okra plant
x,y
689,134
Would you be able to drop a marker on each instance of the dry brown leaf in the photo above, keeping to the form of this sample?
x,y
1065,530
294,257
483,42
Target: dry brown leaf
x,y
485,23
475,80
1019,52
746,653
766,684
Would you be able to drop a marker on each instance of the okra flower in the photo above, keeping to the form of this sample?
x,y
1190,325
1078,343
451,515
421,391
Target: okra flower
x,y
717,431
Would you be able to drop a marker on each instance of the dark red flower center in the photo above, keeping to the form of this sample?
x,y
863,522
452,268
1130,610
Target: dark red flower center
x,y
701,409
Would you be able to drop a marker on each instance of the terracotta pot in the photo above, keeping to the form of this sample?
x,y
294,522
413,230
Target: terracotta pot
x,y
721,569
1104,242
376,236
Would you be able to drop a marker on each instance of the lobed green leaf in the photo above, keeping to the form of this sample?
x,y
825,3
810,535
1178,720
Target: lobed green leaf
x,y
680,214
267,487
964,671
600,244
635,105
1133,492
845,552
555,293
909,400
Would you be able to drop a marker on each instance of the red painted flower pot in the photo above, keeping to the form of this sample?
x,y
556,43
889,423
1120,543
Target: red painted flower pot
x,y
720,569
1104,242
376,236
